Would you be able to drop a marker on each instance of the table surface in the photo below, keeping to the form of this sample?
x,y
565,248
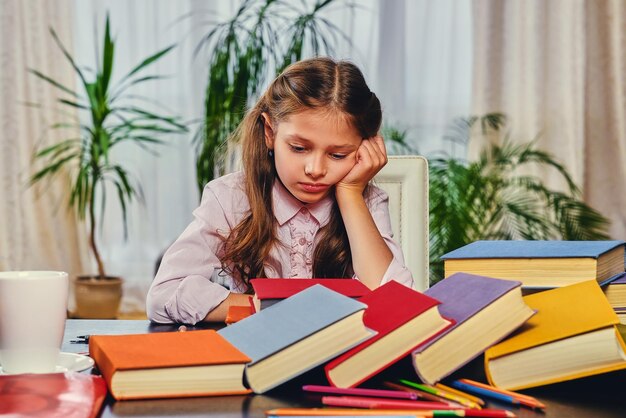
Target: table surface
x,y
601,396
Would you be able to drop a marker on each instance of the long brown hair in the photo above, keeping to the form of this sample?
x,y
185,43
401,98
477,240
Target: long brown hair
x,y
318,83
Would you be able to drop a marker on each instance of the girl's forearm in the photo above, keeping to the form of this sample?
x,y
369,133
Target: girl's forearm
x,y
370,254
219,313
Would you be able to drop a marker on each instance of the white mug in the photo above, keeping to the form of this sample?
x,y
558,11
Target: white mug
x,y
33,309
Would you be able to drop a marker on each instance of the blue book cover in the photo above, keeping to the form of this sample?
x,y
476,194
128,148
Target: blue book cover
x,y
533,249
291,321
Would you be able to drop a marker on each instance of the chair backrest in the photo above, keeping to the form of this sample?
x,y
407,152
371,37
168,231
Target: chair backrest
x,y
405,179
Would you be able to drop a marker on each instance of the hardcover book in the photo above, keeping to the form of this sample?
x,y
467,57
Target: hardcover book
x,y
543,264
238,312
485,310
270,291
574,334
297,334
404,319
615,293
169,364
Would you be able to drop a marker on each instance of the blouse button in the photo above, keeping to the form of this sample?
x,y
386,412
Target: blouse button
x,y
302,241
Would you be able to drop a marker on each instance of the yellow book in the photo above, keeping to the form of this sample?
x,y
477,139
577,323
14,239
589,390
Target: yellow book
x,y
574,334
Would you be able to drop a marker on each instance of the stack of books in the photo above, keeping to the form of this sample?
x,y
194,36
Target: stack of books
x,y
615,292
357,338
564,332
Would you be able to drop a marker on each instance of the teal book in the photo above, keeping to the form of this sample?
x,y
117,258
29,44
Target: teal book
x,y
539,264
297,334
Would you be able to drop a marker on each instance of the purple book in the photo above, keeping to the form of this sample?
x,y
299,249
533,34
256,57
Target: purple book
x,y
620,279
485,310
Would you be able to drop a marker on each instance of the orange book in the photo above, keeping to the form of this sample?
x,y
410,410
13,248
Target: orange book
x,y
236,313
169,364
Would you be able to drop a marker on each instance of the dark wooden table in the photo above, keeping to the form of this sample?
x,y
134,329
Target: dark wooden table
x,y
601,396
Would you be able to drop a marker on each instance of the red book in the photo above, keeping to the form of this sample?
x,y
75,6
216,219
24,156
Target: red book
x,y
270,291
55,395
403,318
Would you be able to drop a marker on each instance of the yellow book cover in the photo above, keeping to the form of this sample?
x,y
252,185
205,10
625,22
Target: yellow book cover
x,y
561,313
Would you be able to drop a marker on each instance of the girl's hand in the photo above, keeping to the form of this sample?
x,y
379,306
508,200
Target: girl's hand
x,y
370,158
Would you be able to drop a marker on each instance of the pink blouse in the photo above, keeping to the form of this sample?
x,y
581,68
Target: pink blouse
x,y
190,282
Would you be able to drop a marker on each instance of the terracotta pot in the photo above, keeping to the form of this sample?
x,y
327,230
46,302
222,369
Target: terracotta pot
x,y
97,298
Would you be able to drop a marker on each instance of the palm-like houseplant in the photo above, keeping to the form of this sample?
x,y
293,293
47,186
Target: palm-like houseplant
x,y
261,39
490,199
111,118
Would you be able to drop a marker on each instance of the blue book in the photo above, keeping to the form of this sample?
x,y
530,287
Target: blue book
x,y
297,334
539,264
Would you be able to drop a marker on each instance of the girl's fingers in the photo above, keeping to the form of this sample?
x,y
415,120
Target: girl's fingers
x,y
365,153
380,142
378,158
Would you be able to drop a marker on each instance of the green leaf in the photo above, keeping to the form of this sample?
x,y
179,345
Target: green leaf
x,y
487,199
149,61
54,82
87,159
107,58
68,56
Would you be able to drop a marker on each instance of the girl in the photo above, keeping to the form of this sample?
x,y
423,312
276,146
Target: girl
x,y
301,207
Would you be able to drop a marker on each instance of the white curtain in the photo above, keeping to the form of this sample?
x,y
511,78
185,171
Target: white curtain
x,y
415,54
425,68
37,231
141,28
556,68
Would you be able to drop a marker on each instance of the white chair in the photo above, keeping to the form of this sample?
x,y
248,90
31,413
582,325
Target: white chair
x,y
405,180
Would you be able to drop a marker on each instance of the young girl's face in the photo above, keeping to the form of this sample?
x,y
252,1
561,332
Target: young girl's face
x,y
313,151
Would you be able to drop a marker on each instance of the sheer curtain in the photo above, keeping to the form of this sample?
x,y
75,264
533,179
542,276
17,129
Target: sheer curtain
x,y
36,229
415,54
425,68
140,29
557,69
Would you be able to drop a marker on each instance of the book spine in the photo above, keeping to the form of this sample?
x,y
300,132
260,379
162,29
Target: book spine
x,y
103,362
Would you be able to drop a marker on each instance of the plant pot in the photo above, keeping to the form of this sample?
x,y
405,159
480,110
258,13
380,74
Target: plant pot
x,y
97,298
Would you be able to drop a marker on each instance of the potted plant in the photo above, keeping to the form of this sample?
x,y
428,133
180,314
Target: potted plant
x,y
111,118
263,35
490,199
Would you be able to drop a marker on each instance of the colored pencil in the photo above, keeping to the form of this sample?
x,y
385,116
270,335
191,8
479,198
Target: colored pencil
x,y
380,403
381,393
491,394
455,398
302,412
325,412
504,392
421,394
454,391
